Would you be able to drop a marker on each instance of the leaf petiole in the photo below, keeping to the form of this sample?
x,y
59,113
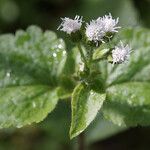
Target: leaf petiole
x,y
82,55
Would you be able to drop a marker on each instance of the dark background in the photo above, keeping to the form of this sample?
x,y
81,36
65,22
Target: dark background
x,y
52,134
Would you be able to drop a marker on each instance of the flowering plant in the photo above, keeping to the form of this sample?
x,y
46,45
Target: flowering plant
x,y
88,37
99,74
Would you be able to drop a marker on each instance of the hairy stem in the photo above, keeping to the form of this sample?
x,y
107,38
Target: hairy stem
x,y
82,55
81,144
90,54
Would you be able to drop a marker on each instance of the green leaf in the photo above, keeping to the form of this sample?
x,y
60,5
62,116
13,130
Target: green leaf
x,y
100,53
85,105
36,56
31,64
24,105
128,104
127,101
101,129
139,40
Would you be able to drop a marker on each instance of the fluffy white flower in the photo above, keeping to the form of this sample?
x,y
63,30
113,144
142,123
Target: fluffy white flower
x,y
94,31
108,23
70,25
120,53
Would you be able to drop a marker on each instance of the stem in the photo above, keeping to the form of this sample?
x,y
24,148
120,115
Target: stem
x,y
81,144
82,55
90,54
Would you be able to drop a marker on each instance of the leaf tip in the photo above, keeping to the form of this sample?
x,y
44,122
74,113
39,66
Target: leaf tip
x,y
74,133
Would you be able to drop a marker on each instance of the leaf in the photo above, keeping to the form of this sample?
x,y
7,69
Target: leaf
x,y
31,64
128,72
127,101
139,40
85,106
39,57
24,105
101,129
100,53
128,104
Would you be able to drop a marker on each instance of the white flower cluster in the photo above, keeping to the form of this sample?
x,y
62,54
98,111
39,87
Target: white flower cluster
x,y
70,25
96,31
108,23
121,53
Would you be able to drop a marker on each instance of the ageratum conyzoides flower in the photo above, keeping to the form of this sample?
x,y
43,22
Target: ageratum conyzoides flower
x,y
108,23
97,29
121,53
94,32
70,25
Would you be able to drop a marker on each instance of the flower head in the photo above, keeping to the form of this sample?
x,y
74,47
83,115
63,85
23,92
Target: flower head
x,y
70,25
108,23
120,53
94,31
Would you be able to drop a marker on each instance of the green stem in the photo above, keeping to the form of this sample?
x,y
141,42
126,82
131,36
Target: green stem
x,y
82,55
81,142
90,54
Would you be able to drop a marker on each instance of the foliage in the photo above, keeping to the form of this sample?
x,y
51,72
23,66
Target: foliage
x,y
36,71
30,66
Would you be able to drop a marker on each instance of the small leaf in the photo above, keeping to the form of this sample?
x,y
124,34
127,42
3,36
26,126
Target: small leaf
x,y
85,105
128,104
100,54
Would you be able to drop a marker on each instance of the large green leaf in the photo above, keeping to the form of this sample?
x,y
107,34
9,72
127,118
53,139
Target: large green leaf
x,y
31,57
24,105
102,129
85,106
131,71
31,63
139,40
128,104
128,87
